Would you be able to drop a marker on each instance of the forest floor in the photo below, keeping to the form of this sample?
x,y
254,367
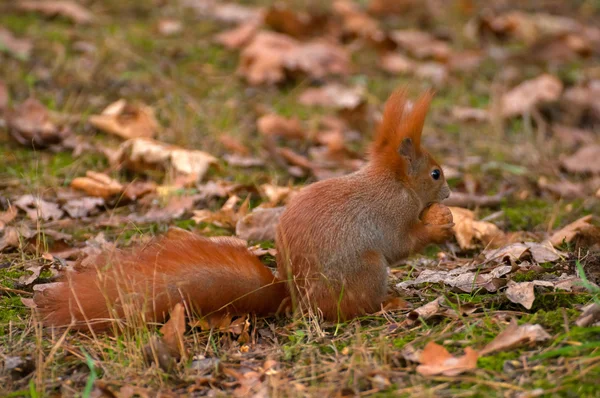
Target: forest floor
x,y
261,100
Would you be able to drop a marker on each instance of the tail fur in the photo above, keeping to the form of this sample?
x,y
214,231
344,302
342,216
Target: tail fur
x,y
210,276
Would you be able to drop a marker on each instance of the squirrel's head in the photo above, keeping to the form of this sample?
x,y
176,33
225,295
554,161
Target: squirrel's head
x,y
397,148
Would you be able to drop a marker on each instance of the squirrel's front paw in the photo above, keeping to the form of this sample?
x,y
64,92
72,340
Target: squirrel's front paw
x,y
439,233
437,214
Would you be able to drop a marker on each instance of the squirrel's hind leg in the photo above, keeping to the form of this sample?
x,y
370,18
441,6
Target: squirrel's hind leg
x,y
361,292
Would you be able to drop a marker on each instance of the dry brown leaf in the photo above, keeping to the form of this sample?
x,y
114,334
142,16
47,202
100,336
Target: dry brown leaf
x,y
276,194
269,56
563,189
227,216
297,24
68,9
466,114
143,154
581,103
435,360
37,208
428,310
397,63
585,160
530,94
259,225
239,36
173,330
538,252
223,11
16,237
126,120
515,336
590,315
467,229
465,279
421,45
275,125
137,189
176,207
395,304
521,293
20,48
79,208
334,95
169,27
582,228
234,145
97,184
356,23
6,217
263,60
29,124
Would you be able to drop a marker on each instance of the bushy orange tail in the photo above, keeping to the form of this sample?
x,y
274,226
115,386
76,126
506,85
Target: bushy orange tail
x,y
208,275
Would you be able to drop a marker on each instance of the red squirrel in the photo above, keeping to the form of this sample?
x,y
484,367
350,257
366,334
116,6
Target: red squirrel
x,y
335,240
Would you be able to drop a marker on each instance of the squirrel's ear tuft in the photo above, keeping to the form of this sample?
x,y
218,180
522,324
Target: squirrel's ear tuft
x,y
412,124
398,129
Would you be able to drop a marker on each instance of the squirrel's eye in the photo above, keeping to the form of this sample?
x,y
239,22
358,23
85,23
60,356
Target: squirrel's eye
x,y
435,174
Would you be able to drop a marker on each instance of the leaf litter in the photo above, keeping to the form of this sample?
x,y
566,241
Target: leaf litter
x,y
332,56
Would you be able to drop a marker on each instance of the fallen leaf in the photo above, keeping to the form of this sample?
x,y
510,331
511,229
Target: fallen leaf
x,y
464,278
243,161
97,184
356,23
538,252
585,160
175,208
582,228
467,229
428,310
222,11
270,56
226,217
276,194
20,48
14,237
234,145
581,103
37,208
530,94
590,315
68,9
421,44
514,336
137,189
173,330
465,114
334,95
126,120
260,224
84,207
275,125
239,36
169,27
144,154
6,217
563,189
395,304
396,63
435,72
521,293
29,124
435,359
298,24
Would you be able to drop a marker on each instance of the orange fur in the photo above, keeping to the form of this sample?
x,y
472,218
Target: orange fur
x,y
207,275
335,241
